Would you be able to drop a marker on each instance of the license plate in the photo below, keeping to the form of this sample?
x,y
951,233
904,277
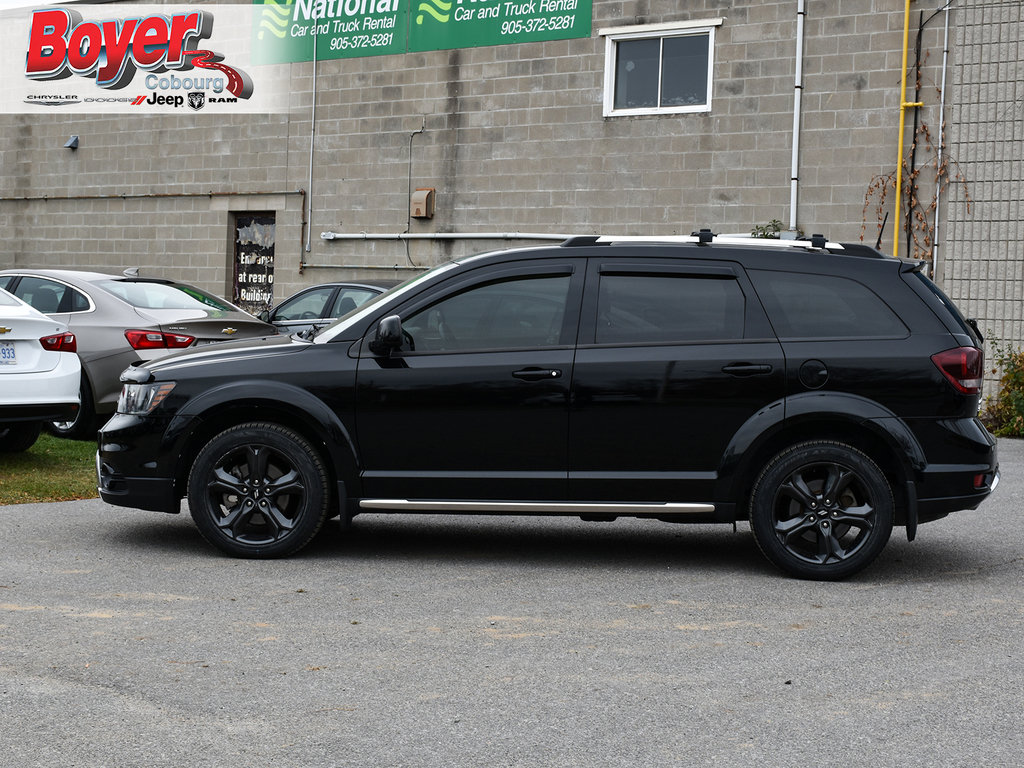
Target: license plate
x,y
7,354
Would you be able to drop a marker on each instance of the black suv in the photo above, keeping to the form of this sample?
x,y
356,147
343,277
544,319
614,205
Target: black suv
x,y
825,392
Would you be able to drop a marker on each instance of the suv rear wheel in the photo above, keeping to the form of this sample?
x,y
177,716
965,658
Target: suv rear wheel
x,y
821,510
258,490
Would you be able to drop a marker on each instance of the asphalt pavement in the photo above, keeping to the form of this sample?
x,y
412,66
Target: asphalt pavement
x,y
437,641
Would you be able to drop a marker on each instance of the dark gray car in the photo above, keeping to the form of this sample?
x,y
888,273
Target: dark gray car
x,y
120,320
322,304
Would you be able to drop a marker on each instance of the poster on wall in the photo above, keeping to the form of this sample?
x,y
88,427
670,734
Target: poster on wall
x,y
301,30
253,283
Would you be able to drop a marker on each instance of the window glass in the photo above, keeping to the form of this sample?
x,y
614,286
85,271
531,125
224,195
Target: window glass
x,y
49,296
310,305
147,295
350,298
524,312
665,308
684,80
636,73
662,71
824,307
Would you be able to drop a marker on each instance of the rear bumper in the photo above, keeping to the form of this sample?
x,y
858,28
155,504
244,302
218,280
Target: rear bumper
x,y
944,487
39,412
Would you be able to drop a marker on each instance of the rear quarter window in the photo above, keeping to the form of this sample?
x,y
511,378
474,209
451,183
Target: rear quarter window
x,y
802,306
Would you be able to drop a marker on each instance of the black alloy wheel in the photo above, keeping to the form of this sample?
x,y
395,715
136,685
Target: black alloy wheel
x,y
821,510
258,490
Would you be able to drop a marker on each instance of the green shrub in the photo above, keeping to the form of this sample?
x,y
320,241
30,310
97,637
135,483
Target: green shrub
x,y
1004,412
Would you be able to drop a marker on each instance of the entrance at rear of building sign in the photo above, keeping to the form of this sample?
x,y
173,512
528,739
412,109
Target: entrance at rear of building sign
x,y
254,261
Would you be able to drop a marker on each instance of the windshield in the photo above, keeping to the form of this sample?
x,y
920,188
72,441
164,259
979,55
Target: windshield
x,y
146,295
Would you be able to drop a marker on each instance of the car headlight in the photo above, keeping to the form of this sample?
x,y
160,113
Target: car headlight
x,y
141,399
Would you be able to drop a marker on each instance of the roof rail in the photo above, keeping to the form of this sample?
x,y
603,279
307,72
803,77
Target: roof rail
x,y
816,242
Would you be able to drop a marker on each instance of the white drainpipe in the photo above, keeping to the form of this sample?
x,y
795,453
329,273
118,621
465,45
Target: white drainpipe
x,y
797,97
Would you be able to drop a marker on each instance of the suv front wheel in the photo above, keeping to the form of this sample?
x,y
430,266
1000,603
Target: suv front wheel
x,y
258,490
821,510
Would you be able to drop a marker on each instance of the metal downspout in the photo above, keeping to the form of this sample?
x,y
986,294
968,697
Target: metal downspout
x,y
942,128
798,88
312,136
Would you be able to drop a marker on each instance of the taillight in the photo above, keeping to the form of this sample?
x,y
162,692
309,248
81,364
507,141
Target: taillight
x,y
60,342
158,340
964,367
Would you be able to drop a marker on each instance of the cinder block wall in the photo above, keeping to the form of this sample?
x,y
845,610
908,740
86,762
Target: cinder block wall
x,y
512,137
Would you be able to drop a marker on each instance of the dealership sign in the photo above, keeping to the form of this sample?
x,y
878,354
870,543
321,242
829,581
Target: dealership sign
x,y
301,30
134,58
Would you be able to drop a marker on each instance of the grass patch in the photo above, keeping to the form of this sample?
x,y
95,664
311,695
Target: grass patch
x,y
54,469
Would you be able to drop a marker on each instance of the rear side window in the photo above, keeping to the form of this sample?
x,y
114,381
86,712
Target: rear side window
x,y
667,308
804,306
49,296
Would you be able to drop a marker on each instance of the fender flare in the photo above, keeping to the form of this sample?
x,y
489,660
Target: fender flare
x,y
332,433
803,410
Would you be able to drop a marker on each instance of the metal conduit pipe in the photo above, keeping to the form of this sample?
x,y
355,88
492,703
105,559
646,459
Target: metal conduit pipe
x,y
424,236
942,142
899,144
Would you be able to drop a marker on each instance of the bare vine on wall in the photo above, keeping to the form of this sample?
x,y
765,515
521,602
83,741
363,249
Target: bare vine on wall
x,y
917,210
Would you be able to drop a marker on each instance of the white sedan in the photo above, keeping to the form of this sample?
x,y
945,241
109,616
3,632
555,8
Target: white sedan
x,y
39,373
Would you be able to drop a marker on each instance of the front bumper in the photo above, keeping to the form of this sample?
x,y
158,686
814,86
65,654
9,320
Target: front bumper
x,y
129,468
150,493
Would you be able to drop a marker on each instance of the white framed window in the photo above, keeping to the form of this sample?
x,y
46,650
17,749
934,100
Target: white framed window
x,y
659,69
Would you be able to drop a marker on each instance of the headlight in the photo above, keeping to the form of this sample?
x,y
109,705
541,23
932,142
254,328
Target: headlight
x,y
141,399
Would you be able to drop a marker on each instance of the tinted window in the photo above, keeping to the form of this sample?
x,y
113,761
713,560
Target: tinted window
x,y
525,312
667,307
824,307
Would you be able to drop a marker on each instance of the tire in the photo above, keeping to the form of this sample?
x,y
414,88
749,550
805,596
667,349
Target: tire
x,y
19,436
83,427
258,490
821,510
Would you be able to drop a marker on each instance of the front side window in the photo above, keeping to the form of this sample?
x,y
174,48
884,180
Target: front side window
x,y
311,305
510,314
659,69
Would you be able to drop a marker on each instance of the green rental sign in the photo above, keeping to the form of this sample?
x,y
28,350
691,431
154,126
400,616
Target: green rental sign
x,y
286,30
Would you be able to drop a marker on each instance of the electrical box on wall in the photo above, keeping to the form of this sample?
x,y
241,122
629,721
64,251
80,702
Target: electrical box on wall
x,y
421,205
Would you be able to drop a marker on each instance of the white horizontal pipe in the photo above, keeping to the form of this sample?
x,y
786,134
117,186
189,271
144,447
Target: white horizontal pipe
x,y
442,236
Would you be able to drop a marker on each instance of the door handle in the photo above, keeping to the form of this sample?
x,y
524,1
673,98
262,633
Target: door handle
x,y
537,374
747,369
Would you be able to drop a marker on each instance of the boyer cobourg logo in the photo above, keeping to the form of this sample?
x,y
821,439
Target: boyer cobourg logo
x,y
111,52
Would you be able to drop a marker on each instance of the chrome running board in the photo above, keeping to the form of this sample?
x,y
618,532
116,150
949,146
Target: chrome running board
x,y
554,507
